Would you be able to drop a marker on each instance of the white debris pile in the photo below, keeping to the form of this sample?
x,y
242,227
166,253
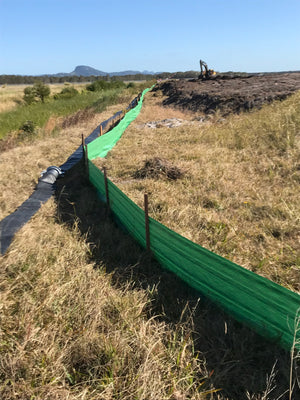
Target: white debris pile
x,y
169,123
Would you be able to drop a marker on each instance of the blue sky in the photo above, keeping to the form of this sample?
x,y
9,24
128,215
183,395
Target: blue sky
x,y
50,36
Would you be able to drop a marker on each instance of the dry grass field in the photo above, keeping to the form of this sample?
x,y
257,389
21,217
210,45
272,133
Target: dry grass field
x,y
86,314
68,333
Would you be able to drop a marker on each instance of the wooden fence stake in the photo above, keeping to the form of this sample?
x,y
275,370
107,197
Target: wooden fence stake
x,y
106,187
101,131
147,231
85,151
83,145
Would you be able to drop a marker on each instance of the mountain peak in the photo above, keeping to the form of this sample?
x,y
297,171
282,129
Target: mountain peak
x,y
85,70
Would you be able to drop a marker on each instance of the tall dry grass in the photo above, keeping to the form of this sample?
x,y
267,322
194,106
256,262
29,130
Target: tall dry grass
x,y
11,96
68,332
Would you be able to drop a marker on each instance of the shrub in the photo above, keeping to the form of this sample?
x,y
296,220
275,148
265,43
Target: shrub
x,y
41,90
26,131
28,127
29,95
97,86
131,85
66,93
103,85
38,91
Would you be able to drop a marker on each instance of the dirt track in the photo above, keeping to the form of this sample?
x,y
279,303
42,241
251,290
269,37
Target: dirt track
x,y
229,93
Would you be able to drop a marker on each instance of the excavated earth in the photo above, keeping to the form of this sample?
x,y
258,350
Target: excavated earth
x,y
229,93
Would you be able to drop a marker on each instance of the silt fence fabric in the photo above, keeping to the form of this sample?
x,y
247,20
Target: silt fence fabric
x,y
261,304
103,144
266,307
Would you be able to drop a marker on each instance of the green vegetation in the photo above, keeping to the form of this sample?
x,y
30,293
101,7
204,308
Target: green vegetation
x,y
66,93
30,80
39,113
20,79
12,96
29,95
104,85
97,97
39,91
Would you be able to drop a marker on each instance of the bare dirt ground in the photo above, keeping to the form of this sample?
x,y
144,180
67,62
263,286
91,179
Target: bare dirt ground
x,y
229,93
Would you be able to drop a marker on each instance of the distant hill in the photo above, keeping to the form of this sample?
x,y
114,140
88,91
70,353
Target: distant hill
x,y
85,70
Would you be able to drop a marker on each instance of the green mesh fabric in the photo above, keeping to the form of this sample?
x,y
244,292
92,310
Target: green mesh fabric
x,y
261,304
103,144
268,308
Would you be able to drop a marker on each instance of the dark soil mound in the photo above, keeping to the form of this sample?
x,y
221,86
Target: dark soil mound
x,y
229,94
157,168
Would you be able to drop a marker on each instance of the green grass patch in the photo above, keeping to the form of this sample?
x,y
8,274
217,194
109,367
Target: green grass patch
x,y
39,113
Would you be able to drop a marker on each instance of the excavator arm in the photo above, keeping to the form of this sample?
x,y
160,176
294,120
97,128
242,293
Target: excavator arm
x,y
206,73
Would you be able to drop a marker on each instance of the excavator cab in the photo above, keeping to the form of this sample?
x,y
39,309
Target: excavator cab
x,y
206,73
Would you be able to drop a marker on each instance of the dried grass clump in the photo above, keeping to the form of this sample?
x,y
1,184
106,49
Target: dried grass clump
x,y
77,118
157,168
8,143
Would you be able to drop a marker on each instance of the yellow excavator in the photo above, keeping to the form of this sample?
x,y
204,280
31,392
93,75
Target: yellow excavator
x,y
206,73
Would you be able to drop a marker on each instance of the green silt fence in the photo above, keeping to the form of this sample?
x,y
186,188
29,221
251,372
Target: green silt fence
x,y
269,309
259,303
103,144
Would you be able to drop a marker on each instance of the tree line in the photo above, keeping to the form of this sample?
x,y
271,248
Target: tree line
x,y
48,79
